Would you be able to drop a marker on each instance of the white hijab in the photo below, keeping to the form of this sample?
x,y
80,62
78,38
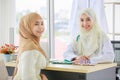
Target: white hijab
x,y
90,42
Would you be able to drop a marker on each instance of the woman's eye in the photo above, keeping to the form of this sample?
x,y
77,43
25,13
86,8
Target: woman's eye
x,y
88,19
81,20
36,24
42,23
39,23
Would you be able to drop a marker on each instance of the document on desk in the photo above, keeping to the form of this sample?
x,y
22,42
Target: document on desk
x,y
87,64
60,62
69,62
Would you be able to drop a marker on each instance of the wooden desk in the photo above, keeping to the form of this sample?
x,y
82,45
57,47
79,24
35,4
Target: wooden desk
x,y
76,72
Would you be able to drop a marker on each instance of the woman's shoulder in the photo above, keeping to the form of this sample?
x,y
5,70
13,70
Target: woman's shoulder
x,y
31,56
31,53
105,36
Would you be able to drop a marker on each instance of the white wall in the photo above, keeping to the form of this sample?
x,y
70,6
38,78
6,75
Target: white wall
x,y
7,20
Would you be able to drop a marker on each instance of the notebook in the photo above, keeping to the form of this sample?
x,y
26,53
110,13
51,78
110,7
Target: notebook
x,y
60,62
69,62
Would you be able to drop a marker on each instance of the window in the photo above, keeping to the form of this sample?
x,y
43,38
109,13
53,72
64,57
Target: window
x,y
113,18
61,26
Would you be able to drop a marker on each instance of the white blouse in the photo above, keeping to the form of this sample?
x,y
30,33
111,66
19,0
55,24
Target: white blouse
x,y
30,64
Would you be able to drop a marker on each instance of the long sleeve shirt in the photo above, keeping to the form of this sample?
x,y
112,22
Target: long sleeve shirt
x,y
30,64
106,55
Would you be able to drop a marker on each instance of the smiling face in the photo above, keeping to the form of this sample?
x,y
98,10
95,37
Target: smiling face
x,y
38,27
85,22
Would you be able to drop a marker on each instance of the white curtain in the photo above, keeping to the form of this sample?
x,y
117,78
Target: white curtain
x,y
7,20
96,5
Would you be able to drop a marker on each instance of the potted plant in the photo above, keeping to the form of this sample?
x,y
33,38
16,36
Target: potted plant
x,y
7,50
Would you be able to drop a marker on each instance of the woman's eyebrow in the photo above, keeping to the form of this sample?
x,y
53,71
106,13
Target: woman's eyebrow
x,y
37,22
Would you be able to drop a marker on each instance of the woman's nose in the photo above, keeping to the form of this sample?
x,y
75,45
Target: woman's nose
x,y
42,28
84,23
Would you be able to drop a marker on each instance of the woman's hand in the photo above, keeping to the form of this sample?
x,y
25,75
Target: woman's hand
x,y
81,60
43,77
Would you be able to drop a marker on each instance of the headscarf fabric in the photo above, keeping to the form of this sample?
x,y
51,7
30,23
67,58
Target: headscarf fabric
x,y
90,41
28,41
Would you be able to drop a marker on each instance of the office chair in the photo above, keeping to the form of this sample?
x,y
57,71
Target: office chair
x,y
116,46
3,71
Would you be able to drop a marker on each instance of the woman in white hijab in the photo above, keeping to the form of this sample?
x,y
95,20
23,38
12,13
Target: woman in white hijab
x,y
91,45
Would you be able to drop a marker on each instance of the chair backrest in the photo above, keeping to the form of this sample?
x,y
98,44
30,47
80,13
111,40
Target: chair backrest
x,y
116,46
3,70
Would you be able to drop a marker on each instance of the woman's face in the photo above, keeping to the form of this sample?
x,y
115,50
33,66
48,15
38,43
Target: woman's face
x,y
38,27
85,22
